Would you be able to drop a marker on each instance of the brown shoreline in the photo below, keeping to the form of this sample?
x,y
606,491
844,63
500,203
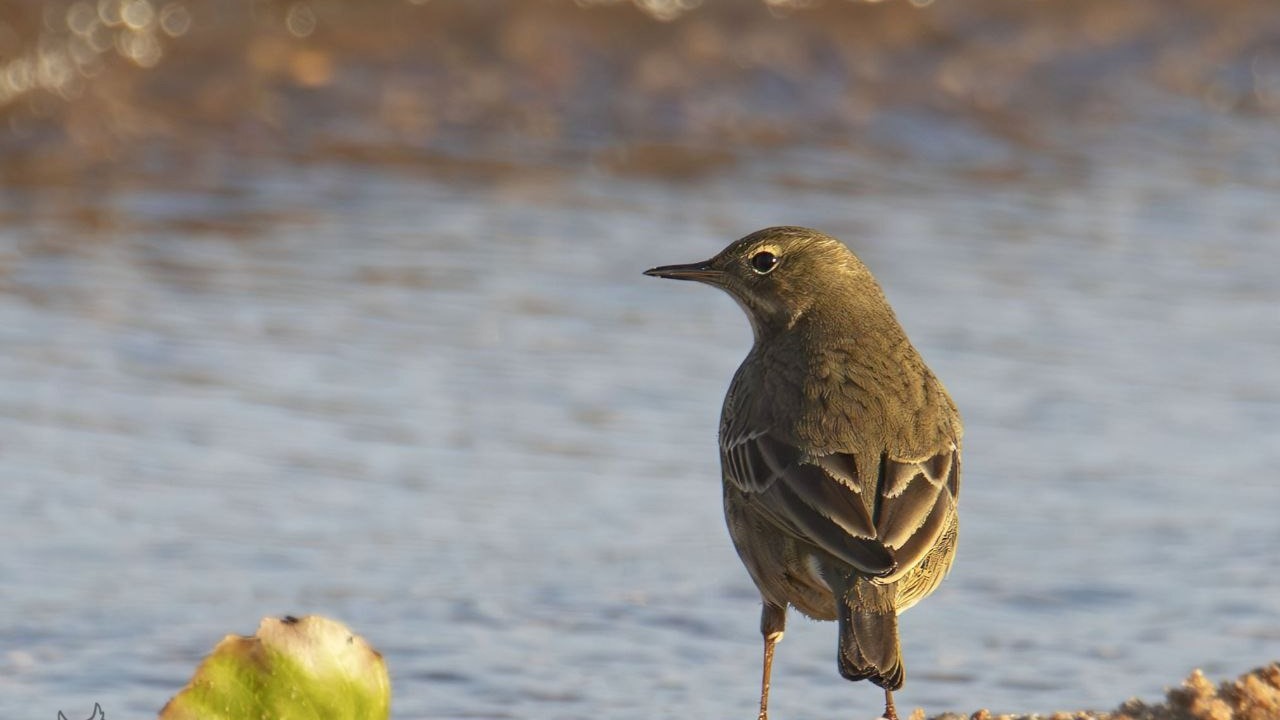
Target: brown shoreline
x,y
1252,696
524,81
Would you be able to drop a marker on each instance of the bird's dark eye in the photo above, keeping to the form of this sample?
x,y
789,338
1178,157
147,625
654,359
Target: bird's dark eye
x,y
763,262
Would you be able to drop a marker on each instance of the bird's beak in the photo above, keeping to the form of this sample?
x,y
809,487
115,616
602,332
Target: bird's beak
x,y
700,271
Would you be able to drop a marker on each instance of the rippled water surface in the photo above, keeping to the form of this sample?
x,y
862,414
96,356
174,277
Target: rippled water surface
x,y
434,397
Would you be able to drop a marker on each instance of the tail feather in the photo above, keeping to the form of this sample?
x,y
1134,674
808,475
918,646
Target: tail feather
x,y
869,648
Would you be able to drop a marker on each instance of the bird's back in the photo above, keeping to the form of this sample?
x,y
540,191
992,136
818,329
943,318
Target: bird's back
x,y
845,412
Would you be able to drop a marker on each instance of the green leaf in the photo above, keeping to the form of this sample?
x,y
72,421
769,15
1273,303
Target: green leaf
x,y
310,668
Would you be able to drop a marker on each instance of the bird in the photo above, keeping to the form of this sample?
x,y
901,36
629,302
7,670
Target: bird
x,y
839,449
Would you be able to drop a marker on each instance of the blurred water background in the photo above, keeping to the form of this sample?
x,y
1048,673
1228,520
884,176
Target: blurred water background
x,y
336,307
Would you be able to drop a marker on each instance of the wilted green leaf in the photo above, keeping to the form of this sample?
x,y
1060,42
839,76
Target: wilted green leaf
x,y
310,668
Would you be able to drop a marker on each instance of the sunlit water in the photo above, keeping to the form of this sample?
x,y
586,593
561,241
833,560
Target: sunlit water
x,y
450,412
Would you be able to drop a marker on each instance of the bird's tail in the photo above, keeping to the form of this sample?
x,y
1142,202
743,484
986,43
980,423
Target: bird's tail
x,y
869,647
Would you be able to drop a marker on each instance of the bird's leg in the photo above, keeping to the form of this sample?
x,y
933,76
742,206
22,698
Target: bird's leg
x,y
890,712
773,619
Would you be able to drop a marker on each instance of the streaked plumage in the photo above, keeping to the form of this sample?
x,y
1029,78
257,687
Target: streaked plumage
x,y
840,450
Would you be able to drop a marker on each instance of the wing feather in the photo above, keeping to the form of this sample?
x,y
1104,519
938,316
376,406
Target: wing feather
x,y
917,502
821,500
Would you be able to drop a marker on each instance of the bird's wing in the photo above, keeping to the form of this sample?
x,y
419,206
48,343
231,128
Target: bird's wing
x,y
916,503
812,501
821,500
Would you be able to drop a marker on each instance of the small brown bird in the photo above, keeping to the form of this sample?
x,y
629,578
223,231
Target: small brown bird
x,y
840,450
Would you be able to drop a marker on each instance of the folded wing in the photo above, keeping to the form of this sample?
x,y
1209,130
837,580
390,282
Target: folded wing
x,y
881,515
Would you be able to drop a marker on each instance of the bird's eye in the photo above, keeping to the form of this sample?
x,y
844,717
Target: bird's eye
x,y
763,262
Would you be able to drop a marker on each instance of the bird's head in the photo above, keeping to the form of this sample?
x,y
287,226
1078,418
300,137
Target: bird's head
x,y
781,274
